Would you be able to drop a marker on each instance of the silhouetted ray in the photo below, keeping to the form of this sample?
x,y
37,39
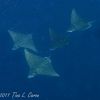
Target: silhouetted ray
x,y
57,40
22,40
77,23
39,65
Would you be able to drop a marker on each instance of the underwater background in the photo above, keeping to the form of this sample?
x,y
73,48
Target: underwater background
x,y
78,63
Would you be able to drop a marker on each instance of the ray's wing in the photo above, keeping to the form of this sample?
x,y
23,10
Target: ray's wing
x,y
15,36
46,68
75,18
17,39
33,61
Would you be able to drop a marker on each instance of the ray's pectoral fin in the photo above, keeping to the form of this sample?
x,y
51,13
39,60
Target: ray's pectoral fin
x,y
46,68
15,47
90,23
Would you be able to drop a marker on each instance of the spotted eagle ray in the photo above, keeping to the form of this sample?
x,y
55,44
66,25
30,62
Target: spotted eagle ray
x,y
22,40
78,23
39,65
57,40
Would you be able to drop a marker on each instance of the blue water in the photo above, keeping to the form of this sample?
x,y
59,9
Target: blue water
x,y
78,63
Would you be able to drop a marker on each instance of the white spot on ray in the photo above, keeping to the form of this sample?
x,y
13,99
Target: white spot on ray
x,y
22,40
77,23
39,65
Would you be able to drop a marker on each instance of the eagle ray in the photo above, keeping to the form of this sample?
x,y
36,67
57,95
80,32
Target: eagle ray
x,y
39,65
78,23
22,40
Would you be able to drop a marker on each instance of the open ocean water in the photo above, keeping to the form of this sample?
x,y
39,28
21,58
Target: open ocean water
x,y
77,63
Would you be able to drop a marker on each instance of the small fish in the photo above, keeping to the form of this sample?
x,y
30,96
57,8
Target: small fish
x,y
39,65
22,41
